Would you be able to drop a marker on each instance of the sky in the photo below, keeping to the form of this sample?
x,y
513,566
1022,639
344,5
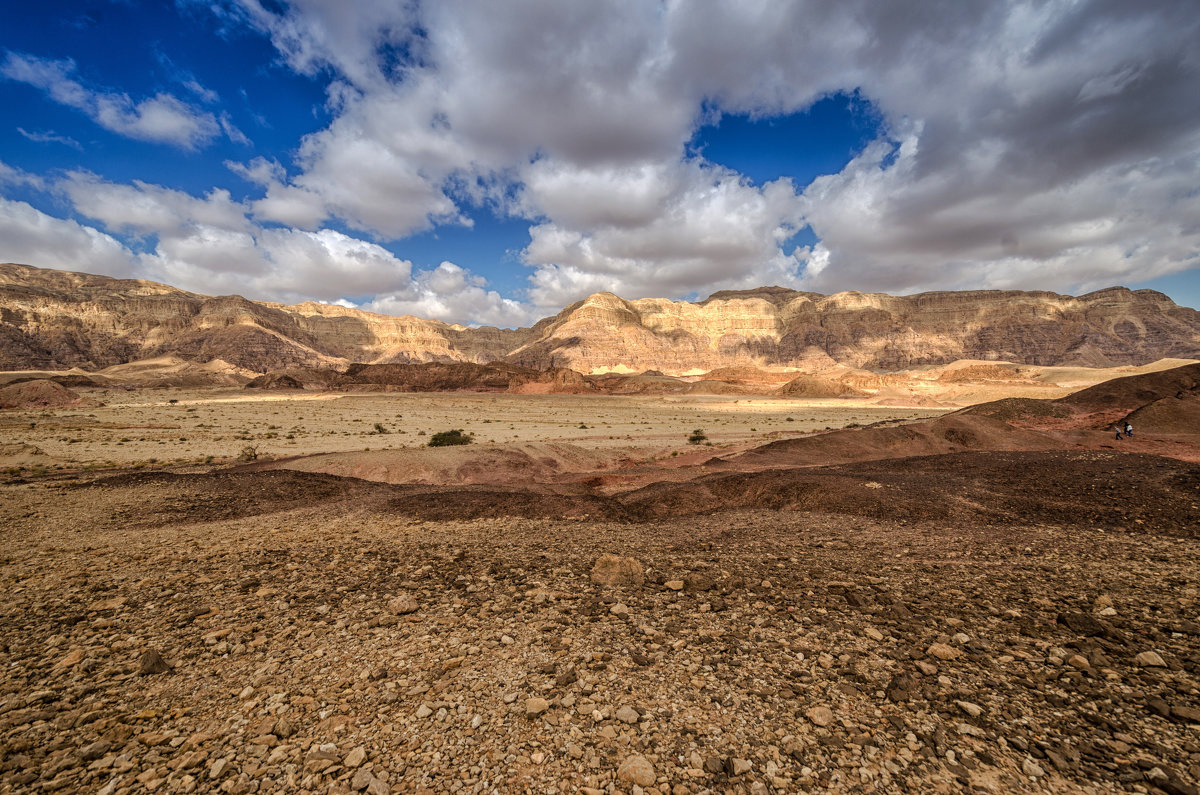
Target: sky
x,y
491,162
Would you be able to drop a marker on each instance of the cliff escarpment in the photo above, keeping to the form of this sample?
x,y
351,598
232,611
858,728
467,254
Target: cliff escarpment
x,y
55,320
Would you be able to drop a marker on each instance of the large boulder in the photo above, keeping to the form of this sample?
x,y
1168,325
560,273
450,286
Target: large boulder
x,y
615,571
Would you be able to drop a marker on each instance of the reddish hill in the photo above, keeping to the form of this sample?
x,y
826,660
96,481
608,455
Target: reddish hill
x,y
1126,490
1135,391
1178,413
1164,402
275,381
40,394
463,376
816,386
950,434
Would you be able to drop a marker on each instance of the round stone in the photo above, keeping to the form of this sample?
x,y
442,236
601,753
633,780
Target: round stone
x,y
636,770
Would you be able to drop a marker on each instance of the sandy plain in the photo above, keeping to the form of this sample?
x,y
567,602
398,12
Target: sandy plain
x,y
214,425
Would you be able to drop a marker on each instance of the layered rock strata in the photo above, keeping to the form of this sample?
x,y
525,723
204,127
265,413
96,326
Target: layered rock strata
x,y
56,320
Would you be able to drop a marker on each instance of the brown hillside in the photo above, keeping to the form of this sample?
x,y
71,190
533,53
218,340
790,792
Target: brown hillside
x,y
815,386
1135,391
40,394
462,376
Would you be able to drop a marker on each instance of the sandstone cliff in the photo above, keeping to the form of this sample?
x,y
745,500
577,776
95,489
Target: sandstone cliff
x,y
56,320
774,327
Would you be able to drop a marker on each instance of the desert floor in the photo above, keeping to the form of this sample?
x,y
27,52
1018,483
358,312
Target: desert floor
x,y
980,622
763,652
188,426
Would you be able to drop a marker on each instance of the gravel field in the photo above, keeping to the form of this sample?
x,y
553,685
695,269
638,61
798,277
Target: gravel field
x,y
293,632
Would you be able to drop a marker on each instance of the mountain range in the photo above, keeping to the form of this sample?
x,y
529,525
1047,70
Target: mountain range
x,y
51,320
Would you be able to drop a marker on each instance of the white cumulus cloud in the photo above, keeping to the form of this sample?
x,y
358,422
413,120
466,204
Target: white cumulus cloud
x,y
30,237
1038,146
451,293
162,118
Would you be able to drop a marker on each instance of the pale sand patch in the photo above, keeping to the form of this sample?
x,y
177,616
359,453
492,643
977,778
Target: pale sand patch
x,y
146,427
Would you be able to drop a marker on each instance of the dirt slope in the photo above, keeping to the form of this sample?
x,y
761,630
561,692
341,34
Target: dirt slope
x,y
40,394
514,465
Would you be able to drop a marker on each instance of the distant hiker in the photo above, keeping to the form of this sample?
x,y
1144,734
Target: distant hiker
x,y
1128,431
1118,433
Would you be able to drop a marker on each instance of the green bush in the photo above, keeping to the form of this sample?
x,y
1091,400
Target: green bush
x,y
448,438
697,437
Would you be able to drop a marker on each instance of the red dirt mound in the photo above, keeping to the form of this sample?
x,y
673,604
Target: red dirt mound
x,y
1133,392
70,381
814,386
1178,413
948,434
463,377
1165,401
486,502
41,394
981,372
748,375
275,381
1010,409
1123,490
498,465
618,384
306,377
163,498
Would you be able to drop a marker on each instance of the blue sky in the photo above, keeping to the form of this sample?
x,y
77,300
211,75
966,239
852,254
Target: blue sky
x,y
481,164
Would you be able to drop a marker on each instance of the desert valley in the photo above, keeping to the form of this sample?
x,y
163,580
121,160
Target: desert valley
x,y
771,541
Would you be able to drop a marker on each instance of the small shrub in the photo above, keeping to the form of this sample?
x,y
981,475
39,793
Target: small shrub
x,y
697,437
380,429
448,438
173,401
248,454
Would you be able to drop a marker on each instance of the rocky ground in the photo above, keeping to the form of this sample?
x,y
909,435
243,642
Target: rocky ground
x,y
291,632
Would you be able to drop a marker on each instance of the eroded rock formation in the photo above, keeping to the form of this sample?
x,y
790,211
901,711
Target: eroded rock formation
x,y
55,319
873,331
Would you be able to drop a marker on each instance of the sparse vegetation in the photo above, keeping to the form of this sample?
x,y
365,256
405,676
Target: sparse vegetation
x,y
449,438
697,436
